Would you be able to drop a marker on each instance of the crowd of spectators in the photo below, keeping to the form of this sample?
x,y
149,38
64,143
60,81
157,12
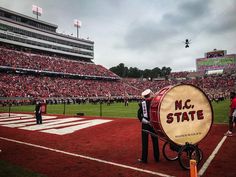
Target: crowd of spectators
x,y
217,87
13,85
18,59
182,74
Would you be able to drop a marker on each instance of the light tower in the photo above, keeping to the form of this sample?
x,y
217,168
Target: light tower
x,y
77,24
37,11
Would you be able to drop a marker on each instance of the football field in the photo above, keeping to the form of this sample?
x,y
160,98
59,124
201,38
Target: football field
x,y
99,146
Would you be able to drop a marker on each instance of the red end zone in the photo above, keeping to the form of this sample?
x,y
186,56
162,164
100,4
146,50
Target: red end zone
x,y
93,146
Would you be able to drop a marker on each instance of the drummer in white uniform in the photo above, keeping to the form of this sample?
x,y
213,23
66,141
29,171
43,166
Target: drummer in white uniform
x,y
144,117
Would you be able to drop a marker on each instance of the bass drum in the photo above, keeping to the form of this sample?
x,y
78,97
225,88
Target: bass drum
x,y
181,114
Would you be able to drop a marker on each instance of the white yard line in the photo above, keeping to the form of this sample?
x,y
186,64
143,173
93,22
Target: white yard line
x,y
211,157
88,158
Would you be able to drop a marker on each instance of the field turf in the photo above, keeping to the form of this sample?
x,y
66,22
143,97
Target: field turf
x,y
114,110
117,110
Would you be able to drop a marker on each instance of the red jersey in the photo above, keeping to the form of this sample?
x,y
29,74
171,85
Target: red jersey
x,y
232,106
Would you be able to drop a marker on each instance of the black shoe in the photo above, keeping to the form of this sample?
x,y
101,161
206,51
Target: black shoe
x,y
142,161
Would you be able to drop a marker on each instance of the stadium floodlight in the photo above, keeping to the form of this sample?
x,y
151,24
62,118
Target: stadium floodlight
x,y
37,10
77,24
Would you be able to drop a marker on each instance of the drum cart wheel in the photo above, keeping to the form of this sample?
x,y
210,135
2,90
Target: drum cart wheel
x,y
170,151
184,153
188,152
200,153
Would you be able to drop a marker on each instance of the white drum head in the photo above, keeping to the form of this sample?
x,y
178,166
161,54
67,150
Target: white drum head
x,y
185,114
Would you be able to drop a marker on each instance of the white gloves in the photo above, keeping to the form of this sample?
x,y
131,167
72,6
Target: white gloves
x,y
145,121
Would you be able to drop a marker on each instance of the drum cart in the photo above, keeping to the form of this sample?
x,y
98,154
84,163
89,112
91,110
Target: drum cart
x,y
181,116
183,154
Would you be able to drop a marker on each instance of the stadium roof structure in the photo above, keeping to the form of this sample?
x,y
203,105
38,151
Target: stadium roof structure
x,y
8,12
27,32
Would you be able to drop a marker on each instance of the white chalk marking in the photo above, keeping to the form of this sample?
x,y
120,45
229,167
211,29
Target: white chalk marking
x,y
211,157
50,124
22,120
53,124
80,125
88,158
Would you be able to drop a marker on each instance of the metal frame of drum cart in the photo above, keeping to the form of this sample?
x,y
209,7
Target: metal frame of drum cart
x,y
173,151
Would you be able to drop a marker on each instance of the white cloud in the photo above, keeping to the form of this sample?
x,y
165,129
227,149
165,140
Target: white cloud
x,y
143,33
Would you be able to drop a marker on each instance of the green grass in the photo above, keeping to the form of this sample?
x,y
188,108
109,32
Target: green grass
x,y
114,110
9,170
221,111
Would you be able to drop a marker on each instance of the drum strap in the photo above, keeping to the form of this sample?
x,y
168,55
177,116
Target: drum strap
x,y
234,113
144,107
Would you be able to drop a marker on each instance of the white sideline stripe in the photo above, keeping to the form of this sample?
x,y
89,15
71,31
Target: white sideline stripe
x,y
211,157
18,120
88,158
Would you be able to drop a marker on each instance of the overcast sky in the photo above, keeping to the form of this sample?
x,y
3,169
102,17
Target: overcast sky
x,y
143,33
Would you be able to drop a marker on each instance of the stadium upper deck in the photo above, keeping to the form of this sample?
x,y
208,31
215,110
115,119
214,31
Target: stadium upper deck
x,y
23,31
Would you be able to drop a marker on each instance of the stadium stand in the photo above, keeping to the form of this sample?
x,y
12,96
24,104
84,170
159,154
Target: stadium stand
x,y
23,60
216,86
15,85
36,62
